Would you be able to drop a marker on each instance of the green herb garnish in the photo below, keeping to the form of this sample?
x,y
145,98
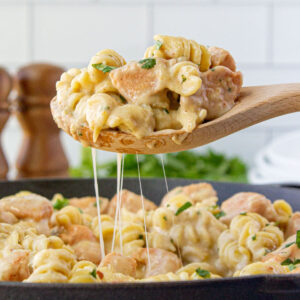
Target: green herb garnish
x,y
140,237
243,214
298,239
291,267
122,99
166,111
147,63
219,214
213,69
95,204
165,218
286,262
94,273
185,206
254,237
79,133
158,44
183,78
203,273
289,244
80,210
103,67
60,203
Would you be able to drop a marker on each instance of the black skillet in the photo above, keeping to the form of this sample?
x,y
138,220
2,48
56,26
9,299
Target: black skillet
x,y
256,287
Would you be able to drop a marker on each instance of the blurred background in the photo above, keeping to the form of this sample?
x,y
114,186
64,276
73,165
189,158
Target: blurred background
x,y
262,35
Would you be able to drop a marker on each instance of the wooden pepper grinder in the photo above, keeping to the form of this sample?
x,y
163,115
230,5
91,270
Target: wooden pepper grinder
x,y
5,88
41,154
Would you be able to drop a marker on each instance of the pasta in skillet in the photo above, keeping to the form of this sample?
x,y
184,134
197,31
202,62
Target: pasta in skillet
x,y
190,237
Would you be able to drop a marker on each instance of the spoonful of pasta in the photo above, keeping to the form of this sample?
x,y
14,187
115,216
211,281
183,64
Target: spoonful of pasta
x,y
180,96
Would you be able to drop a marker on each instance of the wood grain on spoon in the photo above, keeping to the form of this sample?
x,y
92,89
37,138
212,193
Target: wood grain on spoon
x,y
255,104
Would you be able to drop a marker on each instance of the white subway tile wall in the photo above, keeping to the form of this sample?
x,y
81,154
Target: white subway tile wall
x,y
263,36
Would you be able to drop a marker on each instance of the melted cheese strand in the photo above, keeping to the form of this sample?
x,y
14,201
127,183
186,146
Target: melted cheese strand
x,y
101,241
120,206
143,207
117,212
164,171
167,188
119,166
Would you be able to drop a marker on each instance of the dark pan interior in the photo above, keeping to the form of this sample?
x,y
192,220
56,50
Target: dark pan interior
x,y
257,287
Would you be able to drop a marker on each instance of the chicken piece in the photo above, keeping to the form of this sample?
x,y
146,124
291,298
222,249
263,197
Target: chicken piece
x,y
288,249
221,57
27,205
293,225
76,233
131,201
89,206
7,217
247,202
15,266
137,84
88,250
199,192
120,264
161,261
218,93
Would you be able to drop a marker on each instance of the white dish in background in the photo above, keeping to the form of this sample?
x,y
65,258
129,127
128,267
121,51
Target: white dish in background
x,y
279,162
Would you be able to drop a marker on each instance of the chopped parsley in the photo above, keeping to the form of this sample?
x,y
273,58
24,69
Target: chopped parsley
x,y
183,78
291,267
267,251
243,214
219,214
213,69
276,223
60,203
166,111
214,206
95,204
254,237
80,210
182,208
158,44
168,205
122,99
79,133
103,67
298,239
165,218
289,244
203,273
290,263
147,63
140,237
94,273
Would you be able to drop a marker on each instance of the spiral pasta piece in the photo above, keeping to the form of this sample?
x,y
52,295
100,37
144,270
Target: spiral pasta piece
x,y
52,265
176,47
84,272
247,240
67,216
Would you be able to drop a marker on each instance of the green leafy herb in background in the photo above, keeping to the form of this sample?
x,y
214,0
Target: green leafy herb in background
x,y
187,164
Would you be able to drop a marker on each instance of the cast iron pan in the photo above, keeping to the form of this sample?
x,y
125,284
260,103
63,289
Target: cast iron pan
x,y
255,287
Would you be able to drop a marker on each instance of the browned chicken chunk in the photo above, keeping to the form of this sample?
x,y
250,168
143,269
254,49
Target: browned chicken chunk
x,y
15,266
293,225
120,264
221,57
218,93
161,261
131,201
248,202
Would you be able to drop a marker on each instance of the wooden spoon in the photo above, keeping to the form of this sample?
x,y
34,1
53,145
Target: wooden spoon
x,y
255,104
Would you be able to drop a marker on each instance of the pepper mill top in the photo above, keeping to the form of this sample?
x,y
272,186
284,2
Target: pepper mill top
x,y
41,154
36,83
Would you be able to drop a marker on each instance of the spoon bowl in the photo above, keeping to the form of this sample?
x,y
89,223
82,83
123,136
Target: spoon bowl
x,y
254,105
